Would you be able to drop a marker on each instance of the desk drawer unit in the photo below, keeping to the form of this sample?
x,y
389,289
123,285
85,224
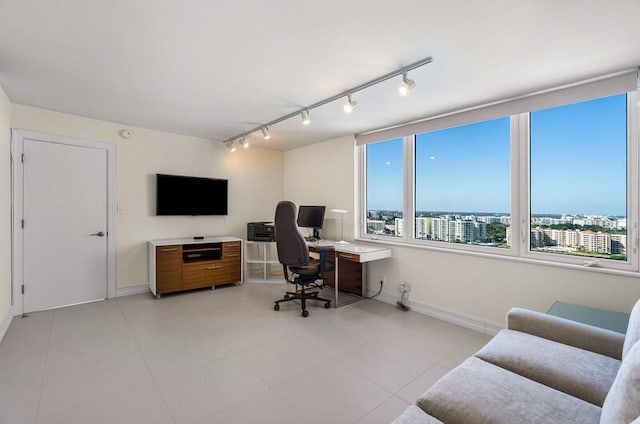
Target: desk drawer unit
x,y
350,270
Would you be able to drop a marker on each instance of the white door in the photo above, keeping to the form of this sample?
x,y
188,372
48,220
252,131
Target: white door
x,y
65,224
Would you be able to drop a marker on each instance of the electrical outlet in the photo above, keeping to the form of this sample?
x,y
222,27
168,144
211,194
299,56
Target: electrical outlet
x,y
404,287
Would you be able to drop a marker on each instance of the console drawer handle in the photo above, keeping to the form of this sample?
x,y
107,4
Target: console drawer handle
x,y
169,250
214,267
234,254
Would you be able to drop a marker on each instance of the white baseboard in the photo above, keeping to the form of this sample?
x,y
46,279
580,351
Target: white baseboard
x,y
131,290
6,322
463,320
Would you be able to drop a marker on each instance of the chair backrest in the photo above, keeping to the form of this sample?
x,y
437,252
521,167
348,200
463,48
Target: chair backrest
x,y
292,248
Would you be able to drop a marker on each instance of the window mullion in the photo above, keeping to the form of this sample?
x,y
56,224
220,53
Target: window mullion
x,y
633,178
524,184
361,208
408,212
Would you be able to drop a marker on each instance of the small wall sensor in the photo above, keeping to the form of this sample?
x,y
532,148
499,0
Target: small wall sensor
x,y
125,134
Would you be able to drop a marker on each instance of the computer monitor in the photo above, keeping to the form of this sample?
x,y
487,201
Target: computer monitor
x,y
311,217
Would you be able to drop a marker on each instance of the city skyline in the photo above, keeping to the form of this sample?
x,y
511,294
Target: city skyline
x,y
579,235
578,164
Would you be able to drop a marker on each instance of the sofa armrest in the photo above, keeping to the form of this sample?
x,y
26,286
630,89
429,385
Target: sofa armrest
x,y
572,333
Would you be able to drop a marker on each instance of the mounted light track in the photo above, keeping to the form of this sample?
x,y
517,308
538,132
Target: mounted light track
x,y
304,112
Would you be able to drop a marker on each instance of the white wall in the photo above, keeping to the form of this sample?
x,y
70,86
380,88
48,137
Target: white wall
x,y
255,182
322,174
480,287
5,208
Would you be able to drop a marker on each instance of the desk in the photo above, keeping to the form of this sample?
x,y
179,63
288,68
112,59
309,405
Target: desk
x,y
350,259
609,320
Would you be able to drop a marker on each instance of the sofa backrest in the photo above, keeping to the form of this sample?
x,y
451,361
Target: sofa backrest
x,y
633,330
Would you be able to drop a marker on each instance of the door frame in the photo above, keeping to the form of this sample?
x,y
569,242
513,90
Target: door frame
x,y
17,208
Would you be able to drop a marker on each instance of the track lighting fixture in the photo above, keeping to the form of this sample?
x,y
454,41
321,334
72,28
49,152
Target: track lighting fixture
x,y
406,86
306,120
230,146
303,112
350,105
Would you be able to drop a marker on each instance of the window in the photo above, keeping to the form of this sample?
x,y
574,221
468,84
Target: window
x,y
462,184
578,178
384,196
558,180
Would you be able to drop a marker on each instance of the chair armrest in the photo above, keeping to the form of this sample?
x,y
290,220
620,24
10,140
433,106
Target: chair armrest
x,y
572,333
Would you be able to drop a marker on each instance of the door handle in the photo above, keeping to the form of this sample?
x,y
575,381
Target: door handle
x,y
98,234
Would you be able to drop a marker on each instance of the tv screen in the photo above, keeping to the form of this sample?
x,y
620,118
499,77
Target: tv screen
x,y
183,195
311,216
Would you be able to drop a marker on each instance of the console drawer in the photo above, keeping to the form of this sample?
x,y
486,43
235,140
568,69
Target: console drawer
x,y
168,268
200,274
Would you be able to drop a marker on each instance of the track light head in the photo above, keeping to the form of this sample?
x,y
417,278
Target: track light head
x,y
349,105
406,86
243,142
306,120
265,133
230,146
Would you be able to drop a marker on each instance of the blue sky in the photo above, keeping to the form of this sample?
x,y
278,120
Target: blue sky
x,y
578,159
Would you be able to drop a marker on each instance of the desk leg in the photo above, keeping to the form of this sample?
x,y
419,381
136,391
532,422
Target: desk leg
x,y
336,282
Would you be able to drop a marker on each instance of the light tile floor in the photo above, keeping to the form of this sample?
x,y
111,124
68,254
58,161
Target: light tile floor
x,y
222,356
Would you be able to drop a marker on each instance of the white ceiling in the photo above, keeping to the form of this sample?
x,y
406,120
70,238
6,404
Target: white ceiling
x,y
217,68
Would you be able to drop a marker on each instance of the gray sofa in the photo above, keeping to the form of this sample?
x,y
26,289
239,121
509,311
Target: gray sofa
x,y
541,369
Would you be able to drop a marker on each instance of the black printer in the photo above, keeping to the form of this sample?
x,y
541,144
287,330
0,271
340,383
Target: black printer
x,y
261,231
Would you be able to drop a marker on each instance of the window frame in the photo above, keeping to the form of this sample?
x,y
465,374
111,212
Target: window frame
x,y
520,200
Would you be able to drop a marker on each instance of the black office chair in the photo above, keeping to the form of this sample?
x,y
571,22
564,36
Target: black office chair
x,y
306,273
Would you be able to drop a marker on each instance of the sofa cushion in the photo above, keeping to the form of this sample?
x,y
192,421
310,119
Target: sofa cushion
x,y
415,415
577,372
477,392
633,330
623,401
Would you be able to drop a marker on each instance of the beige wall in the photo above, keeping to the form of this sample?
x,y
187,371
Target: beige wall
x,y
5,206
480,287
255,182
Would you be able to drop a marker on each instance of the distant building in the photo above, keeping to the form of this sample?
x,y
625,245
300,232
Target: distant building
x,y
423,228
618,243
399,228
375,226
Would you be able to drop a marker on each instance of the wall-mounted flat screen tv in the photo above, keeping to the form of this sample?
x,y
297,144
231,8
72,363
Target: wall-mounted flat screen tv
x,y
183,195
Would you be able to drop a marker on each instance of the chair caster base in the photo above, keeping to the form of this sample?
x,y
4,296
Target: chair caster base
x,y
276,307
305,313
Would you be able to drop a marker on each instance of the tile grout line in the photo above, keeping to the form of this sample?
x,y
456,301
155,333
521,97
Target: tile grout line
x,y
146,363
269,386
46,363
